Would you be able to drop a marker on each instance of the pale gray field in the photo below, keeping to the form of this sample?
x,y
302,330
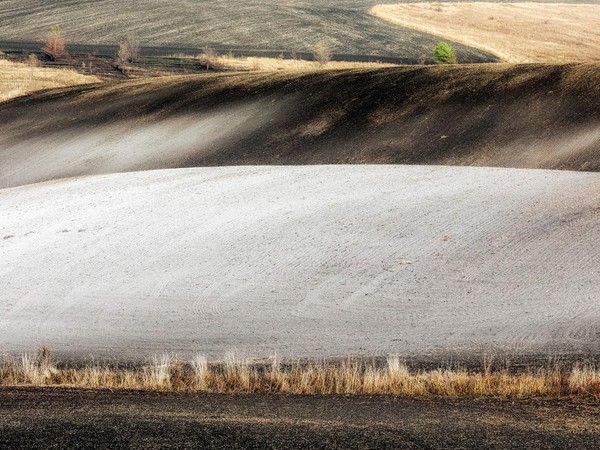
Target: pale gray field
x,y
317,261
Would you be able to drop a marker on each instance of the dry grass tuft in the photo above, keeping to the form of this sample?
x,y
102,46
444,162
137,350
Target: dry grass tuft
x,y
516,32
236,375
18,79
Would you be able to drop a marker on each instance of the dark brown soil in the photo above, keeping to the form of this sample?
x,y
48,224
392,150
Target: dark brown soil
x,y
65,418
527,116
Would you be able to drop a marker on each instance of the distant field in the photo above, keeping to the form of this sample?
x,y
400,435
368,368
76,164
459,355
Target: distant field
x,y
516,32
20,79
346,27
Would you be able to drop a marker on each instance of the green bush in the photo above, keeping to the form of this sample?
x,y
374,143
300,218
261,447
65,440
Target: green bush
x,y
444,54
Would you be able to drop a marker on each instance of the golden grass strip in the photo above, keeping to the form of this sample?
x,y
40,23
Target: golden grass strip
x,y
235,375
18,79
266,64
274,64
516,32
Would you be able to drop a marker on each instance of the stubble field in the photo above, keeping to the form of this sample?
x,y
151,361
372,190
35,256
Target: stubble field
x,y
345,27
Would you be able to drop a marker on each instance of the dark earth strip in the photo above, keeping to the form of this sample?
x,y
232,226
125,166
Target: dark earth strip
x,y
525,116
68,418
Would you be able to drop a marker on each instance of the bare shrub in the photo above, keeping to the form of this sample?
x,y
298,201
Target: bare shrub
x,y
55,44
129,49
122,55
208,58
321,54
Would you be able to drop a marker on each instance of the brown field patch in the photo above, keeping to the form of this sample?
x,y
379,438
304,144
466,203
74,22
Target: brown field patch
x,y
516,32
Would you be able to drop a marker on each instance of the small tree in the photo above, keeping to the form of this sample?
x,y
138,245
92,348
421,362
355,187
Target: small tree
x,y
444,53
129,49
55,43
322,54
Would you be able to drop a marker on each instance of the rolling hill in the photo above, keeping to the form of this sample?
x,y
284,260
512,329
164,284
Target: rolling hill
x,y
527,116
319,261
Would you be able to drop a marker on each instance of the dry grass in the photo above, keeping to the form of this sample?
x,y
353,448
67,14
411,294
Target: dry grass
x,y
516,32
246,64
18,79
302,65
237,375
